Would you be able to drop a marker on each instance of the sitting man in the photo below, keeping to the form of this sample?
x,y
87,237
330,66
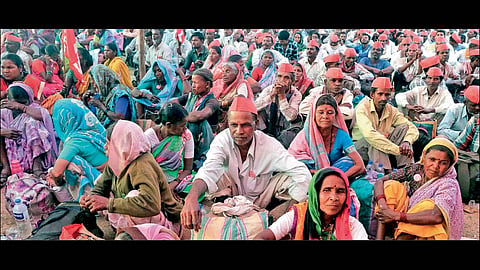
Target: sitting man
x,y
457,116
428,102
277,106
244,161
381,131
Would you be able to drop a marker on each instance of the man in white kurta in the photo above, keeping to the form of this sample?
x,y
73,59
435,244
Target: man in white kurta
x,y
245,161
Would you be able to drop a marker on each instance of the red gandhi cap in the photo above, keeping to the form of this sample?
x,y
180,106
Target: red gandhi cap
x,y
243,104
441,47
334,38
474,52
413,46
350,52
430,61
383,37
474,41
472,93
210,31
313,43
215,42
377,44
456,38
332,58
440,39
285,67
382,82
435,72
14,38
334,73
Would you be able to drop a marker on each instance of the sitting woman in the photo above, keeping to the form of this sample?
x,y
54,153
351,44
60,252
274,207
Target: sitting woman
x,y
82,154
324,140
203,110
158,86
214,60
113,61
430,205
172,146
72,87
112,100
302,82
225,90
139,187
27,133
14,71
324,216
266,71
46,68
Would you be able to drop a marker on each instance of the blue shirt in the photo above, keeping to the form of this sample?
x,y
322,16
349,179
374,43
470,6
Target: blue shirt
x,y
454,121
362,53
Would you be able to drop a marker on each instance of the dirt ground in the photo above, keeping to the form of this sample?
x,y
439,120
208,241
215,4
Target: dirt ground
x,y
470,231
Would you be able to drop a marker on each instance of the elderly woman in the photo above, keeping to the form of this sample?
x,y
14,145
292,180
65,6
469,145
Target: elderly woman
x,y
82,155
428,205
225,90
111,99
324,141
139,187
27,133
158,86
324,216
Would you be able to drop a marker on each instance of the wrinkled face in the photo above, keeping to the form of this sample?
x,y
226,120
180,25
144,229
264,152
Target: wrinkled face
x,y
267,42
228,74
199,85
473,108
432,82
267,59
311,51
324,116
332,195
334,85
9,70
242,127
436,163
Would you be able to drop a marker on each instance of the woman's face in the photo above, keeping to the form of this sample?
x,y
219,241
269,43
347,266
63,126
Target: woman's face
x,y
158,73
267,59
332,195
436,163
10,71
214,56
228,75
298,73
178,128
297,38
324,116
199,85
109,53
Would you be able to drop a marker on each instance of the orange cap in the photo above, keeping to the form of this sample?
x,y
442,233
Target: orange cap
x,y
285,67
473,52
334,73
313,43
332,58
334,38
435,72
474,41
472,93
430,61
383,37
350,52
14,38
382,82
377,44
441,47
243,104
456,38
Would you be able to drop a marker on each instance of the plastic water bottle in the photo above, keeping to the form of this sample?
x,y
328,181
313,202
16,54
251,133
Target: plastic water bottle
x,y
380,171
370,173
22,219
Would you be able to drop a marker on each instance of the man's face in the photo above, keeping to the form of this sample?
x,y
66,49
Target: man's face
x,y
267,43
311,51
443,55
376,53
380,97
242,127
432,82
334,85
157,36
284,79
196,42
149,41
210,36
473,108
411,53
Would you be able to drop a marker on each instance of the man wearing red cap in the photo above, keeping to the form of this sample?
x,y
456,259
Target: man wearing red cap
x,y
311,61
278,105
245,161
12,45
457,116
380,130
406,68
356,71
377,66
451,77
334,85
469,70
333,46
428,102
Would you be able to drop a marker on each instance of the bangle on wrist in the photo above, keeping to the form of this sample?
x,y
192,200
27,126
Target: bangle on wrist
x,y
403,217
380,197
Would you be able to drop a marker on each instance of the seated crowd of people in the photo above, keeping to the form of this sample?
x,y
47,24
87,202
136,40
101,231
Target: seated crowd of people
x,y
287,118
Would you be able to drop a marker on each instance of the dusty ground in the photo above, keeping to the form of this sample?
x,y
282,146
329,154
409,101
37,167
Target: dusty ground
x,y
471,220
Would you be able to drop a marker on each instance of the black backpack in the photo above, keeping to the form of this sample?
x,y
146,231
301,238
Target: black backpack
x,y
64,214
